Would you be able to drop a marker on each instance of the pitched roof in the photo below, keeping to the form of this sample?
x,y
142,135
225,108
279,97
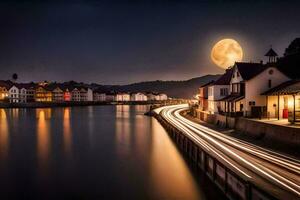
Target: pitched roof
x,y
207,84
6,84
271,53
225,78
233,97
288,87
250,70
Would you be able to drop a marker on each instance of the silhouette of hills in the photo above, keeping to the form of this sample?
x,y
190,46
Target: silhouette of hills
x,y
177,89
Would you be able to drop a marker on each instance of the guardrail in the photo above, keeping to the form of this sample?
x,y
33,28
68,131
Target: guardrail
x,y
233,186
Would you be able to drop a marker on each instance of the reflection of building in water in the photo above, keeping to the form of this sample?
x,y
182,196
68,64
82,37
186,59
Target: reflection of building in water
x,y
67,133
142,141
123,129
43,137
141,108
122,111
164,161
4,143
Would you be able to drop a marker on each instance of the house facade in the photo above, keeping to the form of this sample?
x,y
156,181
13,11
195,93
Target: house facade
x,y
13,94
138,97
248,81
218,90
162,97
122,97
203,96
43,94
57,94
283,101
99,96
75,94
110,96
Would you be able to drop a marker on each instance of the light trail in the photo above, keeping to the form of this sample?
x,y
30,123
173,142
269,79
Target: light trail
x,y
263,162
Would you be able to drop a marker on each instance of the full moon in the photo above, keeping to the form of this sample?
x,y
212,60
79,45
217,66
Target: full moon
x,y
226,52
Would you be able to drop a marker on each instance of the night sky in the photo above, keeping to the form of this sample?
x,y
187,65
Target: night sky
x,y
118,42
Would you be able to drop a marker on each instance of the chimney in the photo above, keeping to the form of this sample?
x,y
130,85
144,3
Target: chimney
x,y
261,62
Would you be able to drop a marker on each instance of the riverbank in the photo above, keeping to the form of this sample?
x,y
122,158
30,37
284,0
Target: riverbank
x,y
83,103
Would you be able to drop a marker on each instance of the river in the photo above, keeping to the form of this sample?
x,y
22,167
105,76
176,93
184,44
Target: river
x,y
100,152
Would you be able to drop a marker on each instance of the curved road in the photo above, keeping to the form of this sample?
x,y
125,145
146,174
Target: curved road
x,y
276,173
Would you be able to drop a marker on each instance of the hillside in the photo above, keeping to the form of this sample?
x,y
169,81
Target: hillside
x,y
177,89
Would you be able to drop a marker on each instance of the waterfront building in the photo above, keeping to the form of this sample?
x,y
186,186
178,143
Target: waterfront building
x,y
75,94
67,94
110,96
83,94
57,94
248,82
4,87
151,96
90,95
122,97
43,94
138,97
203,96
162,97
13,94
99,95
218,90
283,101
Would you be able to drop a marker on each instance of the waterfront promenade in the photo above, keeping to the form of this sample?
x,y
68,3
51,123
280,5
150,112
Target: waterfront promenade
x,y
241,169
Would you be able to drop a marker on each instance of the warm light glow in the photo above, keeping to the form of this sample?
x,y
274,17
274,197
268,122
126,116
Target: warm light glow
x,y
226,52
4,143
67,133
291,103
43,137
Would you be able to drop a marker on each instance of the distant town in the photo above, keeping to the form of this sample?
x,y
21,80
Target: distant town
x,y
12,92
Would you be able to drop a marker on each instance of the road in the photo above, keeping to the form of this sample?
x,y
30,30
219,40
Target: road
x,y
275,173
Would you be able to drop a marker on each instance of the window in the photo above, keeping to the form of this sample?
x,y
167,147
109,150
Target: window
x,y
251,103
223,91
237,74
270,83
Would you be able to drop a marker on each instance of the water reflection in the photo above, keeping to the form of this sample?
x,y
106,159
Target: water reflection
x,y
169,163
67,133
4,143
123,137
43,137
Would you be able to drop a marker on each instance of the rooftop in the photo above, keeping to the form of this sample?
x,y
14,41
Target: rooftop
x,y
271,53
250,70
225,78
289,87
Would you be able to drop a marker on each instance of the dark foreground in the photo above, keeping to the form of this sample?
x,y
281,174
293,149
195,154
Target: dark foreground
x,y
100,152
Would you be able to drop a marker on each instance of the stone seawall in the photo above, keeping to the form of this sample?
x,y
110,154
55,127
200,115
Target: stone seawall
x,y
271,132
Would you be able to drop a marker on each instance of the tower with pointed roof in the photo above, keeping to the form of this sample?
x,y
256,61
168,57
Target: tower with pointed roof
x,y
272,55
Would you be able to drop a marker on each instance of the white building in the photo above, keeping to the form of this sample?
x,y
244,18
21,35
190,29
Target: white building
x,y
138,97
248,82
90,96
23,95
99,96
122,97
13,94
162,97
75,94
218,90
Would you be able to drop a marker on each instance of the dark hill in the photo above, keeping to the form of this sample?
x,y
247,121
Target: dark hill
x,y
177,89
